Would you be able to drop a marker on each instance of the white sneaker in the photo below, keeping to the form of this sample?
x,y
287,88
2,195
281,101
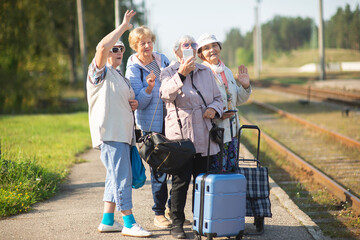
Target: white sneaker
x,y
135,231
116,227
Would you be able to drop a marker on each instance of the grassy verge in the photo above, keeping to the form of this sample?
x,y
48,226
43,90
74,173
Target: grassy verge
x,y
37,152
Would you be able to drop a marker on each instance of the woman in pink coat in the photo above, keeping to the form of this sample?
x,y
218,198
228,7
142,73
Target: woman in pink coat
x,y
179,82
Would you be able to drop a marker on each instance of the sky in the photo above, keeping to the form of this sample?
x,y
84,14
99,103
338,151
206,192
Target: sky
x,y
170,19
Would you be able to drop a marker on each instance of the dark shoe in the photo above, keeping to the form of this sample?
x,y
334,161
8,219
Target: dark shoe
x,y
178,233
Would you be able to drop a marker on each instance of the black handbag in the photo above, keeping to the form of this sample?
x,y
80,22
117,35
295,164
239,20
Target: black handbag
x,y
215,133
165,155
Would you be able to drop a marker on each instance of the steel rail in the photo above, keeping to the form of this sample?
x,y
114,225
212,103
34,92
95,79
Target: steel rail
x,y
346,140
336,189
349,99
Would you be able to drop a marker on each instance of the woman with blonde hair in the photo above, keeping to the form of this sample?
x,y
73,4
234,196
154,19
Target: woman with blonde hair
x,y
143,70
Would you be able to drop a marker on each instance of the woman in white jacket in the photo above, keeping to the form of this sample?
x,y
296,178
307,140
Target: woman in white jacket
x,y
234,92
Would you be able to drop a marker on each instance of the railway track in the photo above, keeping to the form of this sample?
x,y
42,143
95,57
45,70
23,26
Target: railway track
x,y
340,97
319,158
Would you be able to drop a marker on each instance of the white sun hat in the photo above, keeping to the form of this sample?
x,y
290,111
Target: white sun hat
x,y
119,43
206,39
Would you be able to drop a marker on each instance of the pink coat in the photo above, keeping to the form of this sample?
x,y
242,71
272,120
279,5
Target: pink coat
x,y
190,105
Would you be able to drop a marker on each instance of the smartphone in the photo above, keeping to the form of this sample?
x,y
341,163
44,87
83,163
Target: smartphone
x,y
188,53
229,111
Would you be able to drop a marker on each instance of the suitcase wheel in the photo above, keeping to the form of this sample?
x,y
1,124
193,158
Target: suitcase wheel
x,y
197,235
240,235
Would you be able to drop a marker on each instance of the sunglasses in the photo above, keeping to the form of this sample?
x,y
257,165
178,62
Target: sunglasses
x,y
187,45
116,49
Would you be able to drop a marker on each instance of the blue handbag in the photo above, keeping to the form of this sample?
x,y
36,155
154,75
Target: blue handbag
x,y
138,169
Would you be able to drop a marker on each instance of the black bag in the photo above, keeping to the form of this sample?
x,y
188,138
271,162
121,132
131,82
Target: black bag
x,y
216,134
164,155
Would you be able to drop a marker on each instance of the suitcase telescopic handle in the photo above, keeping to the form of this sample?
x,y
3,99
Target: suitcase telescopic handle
x,y
258,146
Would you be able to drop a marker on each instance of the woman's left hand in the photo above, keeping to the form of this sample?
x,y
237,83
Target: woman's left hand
x,y
227,115
243,76
133,104
209,113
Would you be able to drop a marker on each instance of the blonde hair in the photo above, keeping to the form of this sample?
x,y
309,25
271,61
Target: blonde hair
x,y
139,33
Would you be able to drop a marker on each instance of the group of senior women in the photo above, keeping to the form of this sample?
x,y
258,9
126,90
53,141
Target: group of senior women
x,y
156,91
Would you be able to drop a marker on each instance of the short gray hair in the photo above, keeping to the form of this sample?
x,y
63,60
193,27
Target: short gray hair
x,y
181,40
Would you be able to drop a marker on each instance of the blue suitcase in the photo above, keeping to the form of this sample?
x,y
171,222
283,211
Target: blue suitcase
x,y
219,205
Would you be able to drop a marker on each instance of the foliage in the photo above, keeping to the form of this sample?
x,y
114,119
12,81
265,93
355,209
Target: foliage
x,y
39,49
283,35
30,69
37,152
99,27
343,29
244,56
232,42
33,183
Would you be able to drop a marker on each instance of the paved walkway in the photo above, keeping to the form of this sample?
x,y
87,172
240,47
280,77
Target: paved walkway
x,y
76,211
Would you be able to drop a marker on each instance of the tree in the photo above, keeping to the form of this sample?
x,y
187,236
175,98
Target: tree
x,y
30,66
39,49
244,56
343,29
285,34
233,41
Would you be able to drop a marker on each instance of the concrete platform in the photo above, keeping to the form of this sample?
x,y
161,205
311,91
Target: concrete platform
x,y
76,211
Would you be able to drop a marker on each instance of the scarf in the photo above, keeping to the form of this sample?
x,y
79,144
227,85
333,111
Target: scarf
x,y
220,69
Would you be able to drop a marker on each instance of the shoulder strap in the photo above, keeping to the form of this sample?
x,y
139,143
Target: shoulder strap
x,y
178,120
141,75
197,90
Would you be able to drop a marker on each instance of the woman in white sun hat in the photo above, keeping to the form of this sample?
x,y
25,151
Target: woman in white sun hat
x,y
233,92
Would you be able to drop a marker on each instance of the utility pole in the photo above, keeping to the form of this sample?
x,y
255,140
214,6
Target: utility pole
x,y
321,43
81,25
257,44
117,13
117,23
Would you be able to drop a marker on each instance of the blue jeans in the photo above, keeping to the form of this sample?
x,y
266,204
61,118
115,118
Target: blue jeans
x,y
118,183
159,190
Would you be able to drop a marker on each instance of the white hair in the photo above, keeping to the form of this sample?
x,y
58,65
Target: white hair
x,y
186,38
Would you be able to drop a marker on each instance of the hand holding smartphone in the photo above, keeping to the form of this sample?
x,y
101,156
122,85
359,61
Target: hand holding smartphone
x,y
187,53
230,111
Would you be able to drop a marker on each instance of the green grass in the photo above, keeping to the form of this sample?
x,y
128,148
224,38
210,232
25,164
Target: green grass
x,y
298,58
284,65
37,152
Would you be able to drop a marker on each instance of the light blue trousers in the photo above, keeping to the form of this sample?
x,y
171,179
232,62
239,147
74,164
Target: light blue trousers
x,y
118,189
